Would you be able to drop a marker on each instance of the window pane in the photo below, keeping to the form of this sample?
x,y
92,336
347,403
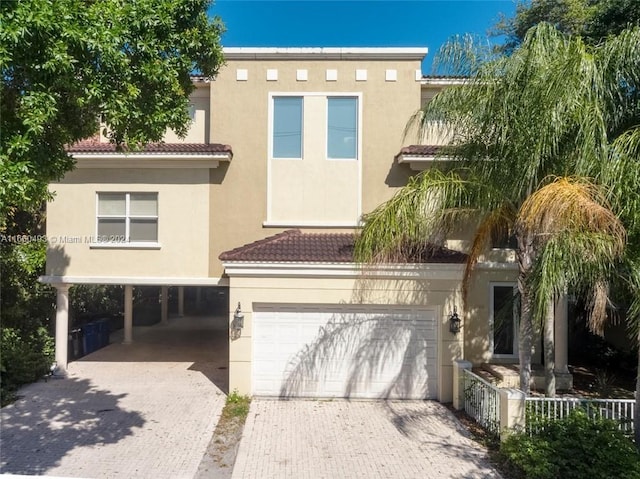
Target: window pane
x,y
143,230
111,230
287,127
503,320
145,204
111,204
342,128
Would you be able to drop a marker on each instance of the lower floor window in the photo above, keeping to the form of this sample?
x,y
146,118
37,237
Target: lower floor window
x,y
504,319
127,217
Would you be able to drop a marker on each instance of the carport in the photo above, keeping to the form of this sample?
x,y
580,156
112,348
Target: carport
x,y
197,318
200,341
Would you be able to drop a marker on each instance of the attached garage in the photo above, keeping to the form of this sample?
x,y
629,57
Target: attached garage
x,y
316,324
335,351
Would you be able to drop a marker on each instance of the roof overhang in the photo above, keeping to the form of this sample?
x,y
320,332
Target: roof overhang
x,y
443,271
150,160
443,81
422,162
325,53
134,280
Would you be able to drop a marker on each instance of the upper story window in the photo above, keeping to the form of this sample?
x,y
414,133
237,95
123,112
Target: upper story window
x,y
287,127
314,177
342,127
127,217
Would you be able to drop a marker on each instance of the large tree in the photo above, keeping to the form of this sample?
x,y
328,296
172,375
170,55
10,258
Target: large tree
x,y
69,64
593,20
544,150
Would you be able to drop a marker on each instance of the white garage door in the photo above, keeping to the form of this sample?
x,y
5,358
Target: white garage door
x,y
336,352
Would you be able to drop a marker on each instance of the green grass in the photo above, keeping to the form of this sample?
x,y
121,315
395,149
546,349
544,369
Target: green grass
x,y
236,406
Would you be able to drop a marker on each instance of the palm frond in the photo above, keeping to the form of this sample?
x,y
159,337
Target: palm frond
x,y
433,204
570,205
621,175
579,262
496,223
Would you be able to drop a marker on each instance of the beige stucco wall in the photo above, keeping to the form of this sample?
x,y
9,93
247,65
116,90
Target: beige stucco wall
x,y
183,232
427,293
199,130
236,112
478,331
239,117
435,133
314,188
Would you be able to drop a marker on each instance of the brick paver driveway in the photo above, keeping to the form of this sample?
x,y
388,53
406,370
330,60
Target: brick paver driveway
x,y
368,439
145,410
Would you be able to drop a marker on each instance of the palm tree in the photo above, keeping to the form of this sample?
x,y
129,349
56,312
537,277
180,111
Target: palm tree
x,y
546,149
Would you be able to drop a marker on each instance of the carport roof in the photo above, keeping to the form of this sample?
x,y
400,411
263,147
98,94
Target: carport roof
x,y
295,246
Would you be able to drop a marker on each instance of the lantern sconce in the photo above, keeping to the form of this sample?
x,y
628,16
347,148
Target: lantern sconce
x,y
238,319
455,322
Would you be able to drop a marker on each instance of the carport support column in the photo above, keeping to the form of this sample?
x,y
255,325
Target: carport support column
x,y
164,304
62,326
181,301
128,314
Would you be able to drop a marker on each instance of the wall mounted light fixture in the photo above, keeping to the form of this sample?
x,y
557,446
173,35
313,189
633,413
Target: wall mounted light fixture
x,y
238,318
455,322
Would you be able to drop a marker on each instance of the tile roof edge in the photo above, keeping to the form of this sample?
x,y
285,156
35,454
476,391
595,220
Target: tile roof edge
x,y
255,244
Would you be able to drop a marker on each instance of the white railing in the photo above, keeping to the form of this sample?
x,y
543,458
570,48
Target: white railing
x,y
482,401
619,410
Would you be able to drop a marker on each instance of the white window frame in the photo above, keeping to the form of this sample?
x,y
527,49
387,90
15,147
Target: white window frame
x,y
358,100
272,111
492,286
99,242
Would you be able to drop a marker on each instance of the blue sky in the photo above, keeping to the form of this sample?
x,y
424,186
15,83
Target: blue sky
x,y
360,23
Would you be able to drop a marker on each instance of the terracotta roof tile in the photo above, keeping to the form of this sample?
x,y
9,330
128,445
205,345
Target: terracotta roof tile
x,y
295,246
292,245
420,150
93,146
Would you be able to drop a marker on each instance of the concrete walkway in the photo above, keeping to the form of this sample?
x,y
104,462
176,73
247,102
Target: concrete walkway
x,y
336,439
145,410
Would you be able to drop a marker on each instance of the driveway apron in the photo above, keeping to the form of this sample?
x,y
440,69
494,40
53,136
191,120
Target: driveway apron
x,y
144,410
368,439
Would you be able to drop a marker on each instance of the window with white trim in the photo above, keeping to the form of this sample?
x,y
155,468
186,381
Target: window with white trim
x,y
287,126
127,217
342,127
504,320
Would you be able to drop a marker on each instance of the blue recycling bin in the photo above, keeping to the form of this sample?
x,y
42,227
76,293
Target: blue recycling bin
x,y
91,339
103,332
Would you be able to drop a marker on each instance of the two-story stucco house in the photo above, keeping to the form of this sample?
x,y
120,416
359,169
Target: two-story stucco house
x,y
288,148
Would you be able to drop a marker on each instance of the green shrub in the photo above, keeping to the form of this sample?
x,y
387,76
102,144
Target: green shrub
x,y
236,406
88,299
575,447
24,358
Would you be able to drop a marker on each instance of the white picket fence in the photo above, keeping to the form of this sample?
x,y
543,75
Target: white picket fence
x,y
482,401
619,410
